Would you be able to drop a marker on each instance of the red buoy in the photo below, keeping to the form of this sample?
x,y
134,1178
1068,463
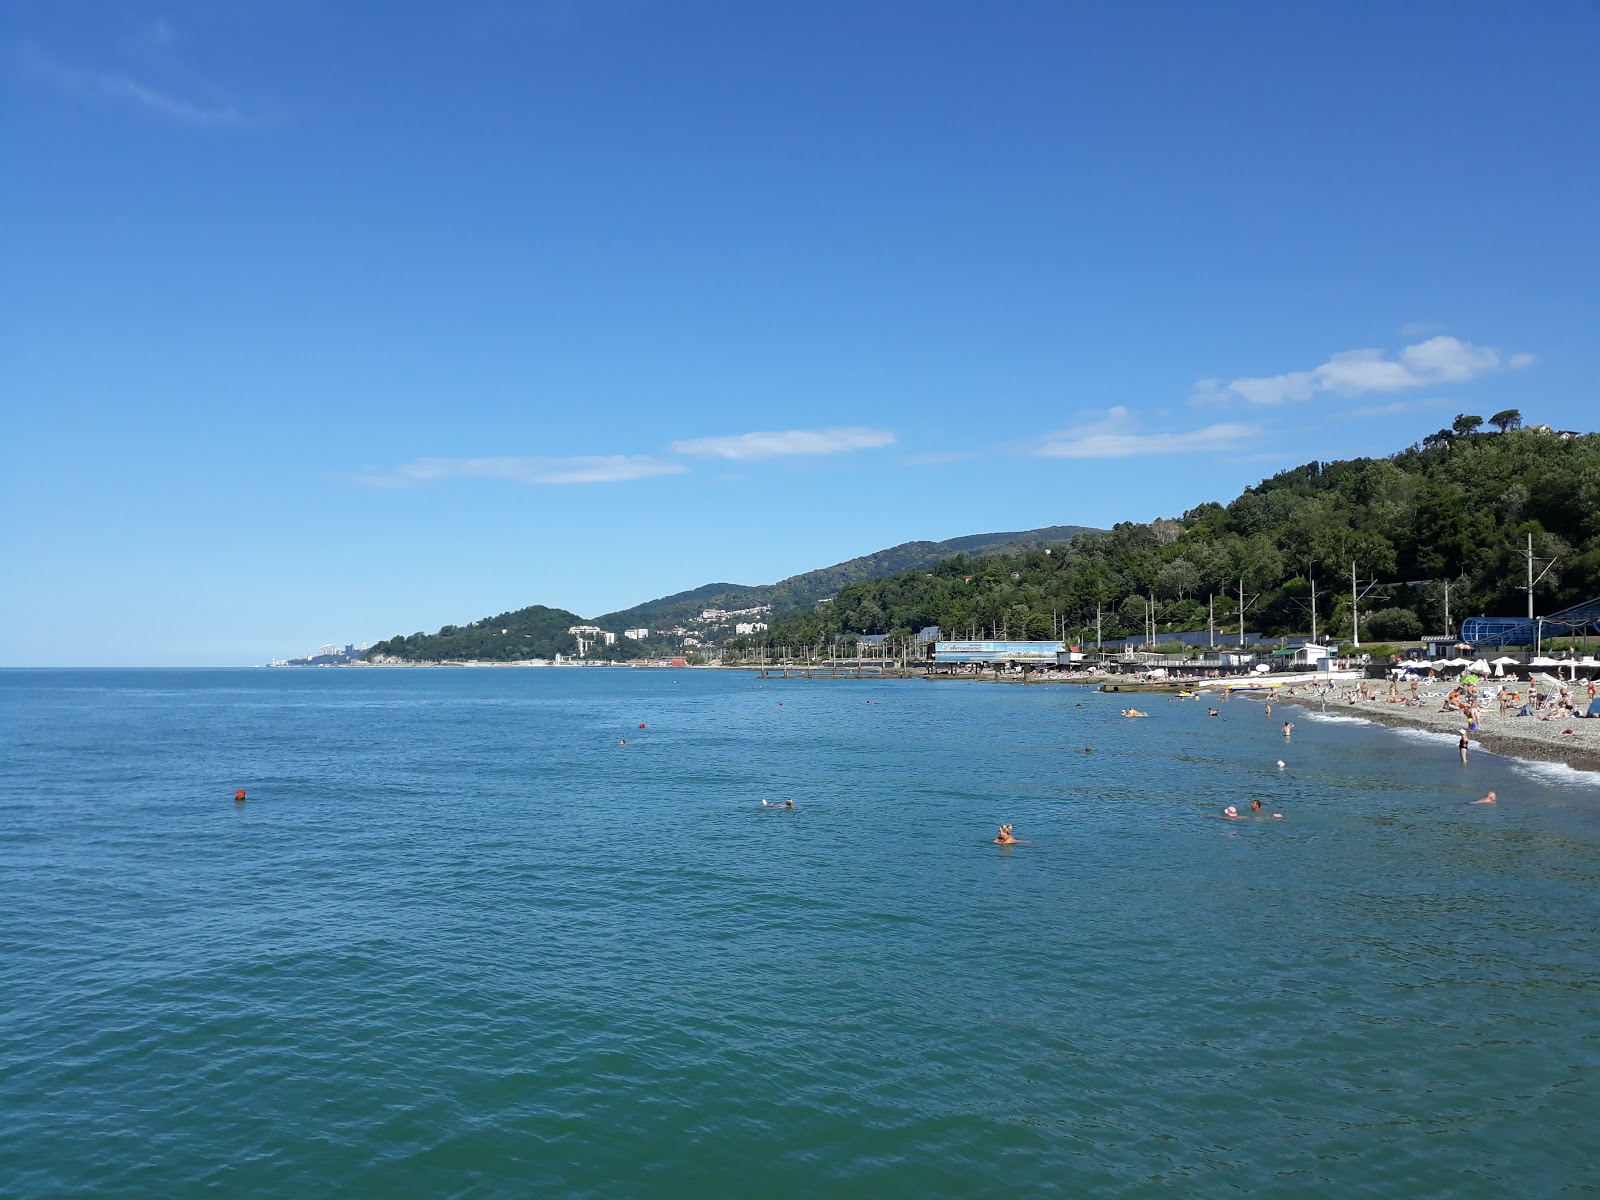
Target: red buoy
x,y
238,797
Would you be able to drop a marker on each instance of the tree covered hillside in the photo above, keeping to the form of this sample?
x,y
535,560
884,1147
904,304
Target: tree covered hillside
x,y
799,592
1455,509
534,632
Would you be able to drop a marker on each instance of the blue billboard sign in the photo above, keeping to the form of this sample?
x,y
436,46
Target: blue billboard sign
x,y
990,652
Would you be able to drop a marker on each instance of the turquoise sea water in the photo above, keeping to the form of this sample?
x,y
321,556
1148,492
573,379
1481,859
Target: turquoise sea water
x,y
460,942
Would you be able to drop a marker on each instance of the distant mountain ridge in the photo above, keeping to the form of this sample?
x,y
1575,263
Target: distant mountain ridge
x,y
541,632
799,592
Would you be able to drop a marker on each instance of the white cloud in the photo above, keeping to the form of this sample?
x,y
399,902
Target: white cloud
x,y
582,468
1113,436
1440,359
116,86
838,440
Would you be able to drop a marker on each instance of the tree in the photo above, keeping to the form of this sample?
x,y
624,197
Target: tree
x,y
1434,440
1464,424
1510,418
1393,624
1178,578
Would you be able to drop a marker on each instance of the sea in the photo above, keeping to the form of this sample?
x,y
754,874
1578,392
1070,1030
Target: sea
x,y
525,933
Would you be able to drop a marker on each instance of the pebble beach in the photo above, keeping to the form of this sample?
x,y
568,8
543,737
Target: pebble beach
x,y
1516,737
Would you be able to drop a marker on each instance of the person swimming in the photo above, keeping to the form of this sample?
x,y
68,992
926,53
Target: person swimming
x,y
1006,838
1288,729
787,803
1088,749
1489,799
1211,712
1231,813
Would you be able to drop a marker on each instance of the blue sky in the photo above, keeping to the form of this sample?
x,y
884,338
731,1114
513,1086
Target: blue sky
x,y
327,322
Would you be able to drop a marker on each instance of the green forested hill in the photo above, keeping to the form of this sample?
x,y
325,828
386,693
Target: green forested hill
x,y
534,632
1456,509
800,592
540,632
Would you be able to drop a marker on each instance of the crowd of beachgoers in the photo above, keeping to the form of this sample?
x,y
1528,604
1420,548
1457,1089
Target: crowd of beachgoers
x,y
1542,717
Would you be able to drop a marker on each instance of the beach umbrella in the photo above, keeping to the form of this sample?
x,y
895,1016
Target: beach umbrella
x,y
1506,661
1480,666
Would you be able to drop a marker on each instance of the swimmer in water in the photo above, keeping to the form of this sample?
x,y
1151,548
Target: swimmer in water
x,y
1006,838
1255,807
1269,708
788,803
1231,813
622,742
1288,729
1088,749
1211,712
1282,764
1489,799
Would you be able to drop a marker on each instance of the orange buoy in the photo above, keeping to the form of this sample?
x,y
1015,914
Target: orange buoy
x,y
641,724
238,797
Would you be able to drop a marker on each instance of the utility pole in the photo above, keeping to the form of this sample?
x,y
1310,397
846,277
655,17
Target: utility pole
x,y
1355,608
1311,579
1097,626
1211,620
1532,582
1241,612
1356,593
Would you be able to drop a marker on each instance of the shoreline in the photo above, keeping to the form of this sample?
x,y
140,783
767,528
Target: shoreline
x,y
1525,738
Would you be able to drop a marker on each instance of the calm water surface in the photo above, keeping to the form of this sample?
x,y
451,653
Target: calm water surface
x,y
460,942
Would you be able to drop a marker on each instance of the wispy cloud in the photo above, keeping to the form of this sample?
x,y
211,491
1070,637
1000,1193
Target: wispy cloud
x,y
1398,406
837,440
1441,359
591,468
1114,436
122,88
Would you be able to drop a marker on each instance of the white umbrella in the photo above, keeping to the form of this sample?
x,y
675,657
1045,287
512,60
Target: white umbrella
x,y
1480,666
1544,660
1506,661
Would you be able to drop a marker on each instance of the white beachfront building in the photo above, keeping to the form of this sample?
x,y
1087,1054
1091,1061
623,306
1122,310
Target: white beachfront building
x,y
1307,657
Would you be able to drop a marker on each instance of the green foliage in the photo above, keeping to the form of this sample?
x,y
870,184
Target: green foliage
x,y
1459,507
1509,418
799,593
1465,425
536,632
1394,624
